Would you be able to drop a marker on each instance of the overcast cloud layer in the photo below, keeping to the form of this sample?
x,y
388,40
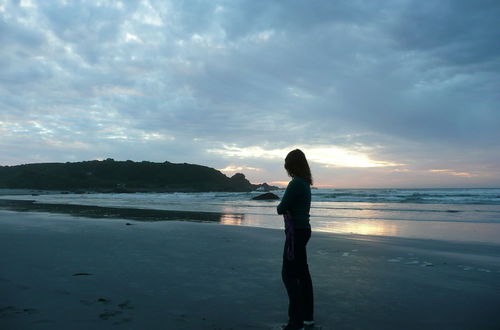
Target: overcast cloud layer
x,y
377,93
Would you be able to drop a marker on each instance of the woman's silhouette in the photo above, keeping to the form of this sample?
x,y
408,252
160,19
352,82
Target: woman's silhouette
x,y
295,206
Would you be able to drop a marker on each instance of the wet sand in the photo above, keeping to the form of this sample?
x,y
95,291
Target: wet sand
x,y
91,211
66,272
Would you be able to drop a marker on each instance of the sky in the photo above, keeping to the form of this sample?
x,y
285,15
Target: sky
x,y
376,93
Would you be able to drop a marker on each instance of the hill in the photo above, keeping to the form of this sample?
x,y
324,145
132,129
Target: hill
x,y
121,176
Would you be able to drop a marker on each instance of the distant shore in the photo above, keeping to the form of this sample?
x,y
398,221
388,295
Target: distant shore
x,y
110,176
63,272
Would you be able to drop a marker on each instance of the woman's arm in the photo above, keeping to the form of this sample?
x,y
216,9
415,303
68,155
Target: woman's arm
x,y
284,205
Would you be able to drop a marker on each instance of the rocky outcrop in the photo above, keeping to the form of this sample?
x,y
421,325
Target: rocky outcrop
x,y
266,196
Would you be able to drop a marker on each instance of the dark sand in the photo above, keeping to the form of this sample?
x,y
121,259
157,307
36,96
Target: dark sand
x,y
64,272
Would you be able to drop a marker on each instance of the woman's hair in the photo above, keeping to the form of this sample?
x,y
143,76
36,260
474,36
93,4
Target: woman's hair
x,y
296,165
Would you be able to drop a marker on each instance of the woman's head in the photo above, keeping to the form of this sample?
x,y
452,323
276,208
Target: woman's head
x,y
296,165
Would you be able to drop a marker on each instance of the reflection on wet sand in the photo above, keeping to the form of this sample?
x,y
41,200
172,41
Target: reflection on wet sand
x,y
358,226
232,219
369,227
453,231
121,212
350,222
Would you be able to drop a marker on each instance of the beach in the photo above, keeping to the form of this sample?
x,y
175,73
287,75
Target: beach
x,y
65,272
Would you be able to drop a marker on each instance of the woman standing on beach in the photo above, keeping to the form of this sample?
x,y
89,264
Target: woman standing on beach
x,y
295,206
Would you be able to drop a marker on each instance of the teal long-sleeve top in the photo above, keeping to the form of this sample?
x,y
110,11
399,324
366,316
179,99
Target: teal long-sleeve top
x,y
297,200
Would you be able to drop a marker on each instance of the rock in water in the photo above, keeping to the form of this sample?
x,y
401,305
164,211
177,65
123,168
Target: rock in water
x,y
266,196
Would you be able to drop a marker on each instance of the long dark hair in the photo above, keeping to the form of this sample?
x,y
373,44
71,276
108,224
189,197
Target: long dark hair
x,y
296,165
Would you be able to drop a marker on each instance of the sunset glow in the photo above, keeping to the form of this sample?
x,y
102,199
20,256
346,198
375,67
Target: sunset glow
x,y
327,156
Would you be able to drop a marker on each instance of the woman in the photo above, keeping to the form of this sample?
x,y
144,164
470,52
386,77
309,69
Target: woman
x,y
295,206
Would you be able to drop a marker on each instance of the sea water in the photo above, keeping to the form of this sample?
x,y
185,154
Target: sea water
x,y
446,214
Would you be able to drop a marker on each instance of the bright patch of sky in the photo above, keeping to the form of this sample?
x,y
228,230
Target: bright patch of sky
x,y
377,94
328,156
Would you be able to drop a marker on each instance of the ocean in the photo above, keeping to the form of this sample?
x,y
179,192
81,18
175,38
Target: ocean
x,y
443,214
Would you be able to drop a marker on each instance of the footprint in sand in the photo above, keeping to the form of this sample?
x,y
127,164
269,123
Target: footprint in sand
x,y
125,305
109,313
98,300
182,318
113,313
347,254
9,310
484,270
104,300
81,274
413,262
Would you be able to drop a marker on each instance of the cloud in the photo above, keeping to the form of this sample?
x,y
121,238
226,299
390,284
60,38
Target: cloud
x,y
384,83
452,172
456,33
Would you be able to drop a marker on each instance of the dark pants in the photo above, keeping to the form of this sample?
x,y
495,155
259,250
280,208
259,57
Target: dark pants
x,y
297,280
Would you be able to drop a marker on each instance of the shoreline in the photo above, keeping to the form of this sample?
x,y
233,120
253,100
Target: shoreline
x,y
67,272
480,232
